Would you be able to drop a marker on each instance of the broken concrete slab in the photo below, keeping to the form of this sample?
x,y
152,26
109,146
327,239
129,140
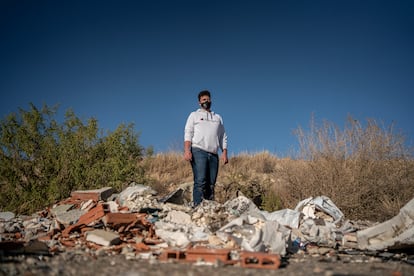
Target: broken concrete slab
x,y
178,217
60,209
69,217
136,197
176,197
103,237
241,205
6,216
181,196
395,233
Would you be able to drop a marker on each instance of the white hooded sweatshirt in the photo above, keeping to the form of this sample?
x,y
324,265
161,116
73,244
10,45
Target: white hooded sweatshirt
x,y
206,131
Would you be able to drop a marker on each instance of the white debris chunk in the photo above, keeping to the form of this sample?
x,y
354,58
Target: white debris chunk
x,y
60,209
241,205
397,232
256,234
136,196
6,216
287,217
173,238
69,217
103,237
178,217
275,237
321,203
112,206
199,235
87,205
321,234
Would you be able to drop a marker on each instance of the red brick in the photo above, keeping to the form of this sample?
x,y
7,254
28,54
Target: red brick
x,y
118,219
170,254
95,195
259,260
206,254
140,246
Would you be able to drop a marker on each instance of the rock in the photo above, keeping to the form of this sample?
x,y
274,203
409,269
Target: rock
x,y
70,217
6,216
103,237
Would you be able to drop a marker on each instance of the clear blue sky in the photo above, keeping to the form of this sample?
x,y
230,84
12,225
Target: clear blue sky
x,y
270,65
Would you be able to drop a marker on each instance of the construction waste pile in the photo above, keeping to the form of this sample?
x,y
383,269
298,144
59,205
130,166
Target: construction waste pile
x,y
140,225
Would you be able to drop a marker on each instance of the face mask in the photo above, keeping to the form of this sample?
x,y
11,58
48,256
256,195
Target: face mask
x,y
206,105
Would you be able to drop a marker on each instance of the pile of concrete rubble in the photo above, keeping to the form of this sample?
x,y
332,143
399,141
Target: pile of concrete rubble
x,y
139,224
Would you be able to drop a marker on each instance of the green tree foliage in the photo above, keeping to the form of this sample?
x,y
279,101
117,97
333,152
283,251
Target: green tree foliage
x,y
42,161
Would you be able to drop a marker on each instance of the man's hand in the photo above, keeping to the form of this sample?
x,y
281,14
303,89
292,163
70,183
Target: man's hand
x,y
187,155
224,157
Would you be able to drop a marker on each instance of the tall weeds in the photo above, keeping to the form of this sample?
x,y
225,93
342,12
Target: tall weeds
x,y
366,169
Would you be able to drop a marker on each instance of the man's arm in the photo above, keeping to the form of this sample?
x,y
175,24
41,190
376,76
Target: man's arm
x,y
223,143
188,135
224,156
187,151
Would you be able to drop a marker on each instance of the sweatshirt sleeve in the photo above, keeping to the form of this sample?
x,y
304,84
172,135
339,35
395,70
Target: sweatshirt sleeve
x,y
223,136
189,128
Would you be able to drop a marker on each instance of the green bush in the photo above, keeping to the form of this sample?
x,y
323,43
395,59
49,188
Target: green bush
x,y
42,161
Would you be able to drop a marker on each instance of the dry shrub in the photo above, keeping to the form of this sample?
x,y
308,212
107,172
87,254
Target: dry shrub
x,y
259,163
366,170
361,189
167,171
252,175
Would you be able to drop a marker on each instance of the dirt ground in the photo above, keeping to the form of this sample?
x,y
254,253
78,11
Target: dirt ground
x,y
84,264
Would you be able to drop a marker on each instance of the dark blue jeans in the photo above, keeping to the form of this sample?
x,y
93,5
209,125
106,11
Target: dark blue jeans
x,y
205,168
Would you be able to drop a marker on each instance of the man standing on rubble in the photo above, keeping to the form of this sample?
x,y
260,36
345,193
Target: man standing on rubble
x,y
204,135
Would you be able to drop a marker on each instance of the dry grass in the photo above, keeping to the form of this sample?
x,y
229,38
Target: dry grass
x,y
165,172
365,170
362,190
